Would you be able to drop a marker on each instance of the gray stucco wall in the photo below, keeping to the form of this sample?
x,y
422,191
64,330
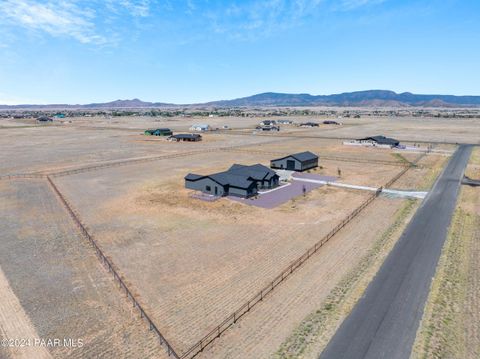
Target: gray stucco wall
x,y
283,162
201,185
310,164
298,165
240,192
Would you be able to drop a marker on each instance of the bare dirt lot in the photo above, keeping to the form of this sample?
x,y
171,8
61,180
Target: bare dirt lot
x,y
194,262
191,263
58,283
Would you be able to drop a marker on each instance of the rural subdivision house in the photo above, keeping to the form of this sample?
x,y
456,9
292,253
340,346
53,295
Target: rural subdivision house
x,y
44,119
189,137
238,180
380,141
159,132
297,162
200,127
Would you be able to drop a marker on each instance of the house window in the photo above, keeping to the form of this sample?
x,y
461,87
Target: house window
x,y
208,188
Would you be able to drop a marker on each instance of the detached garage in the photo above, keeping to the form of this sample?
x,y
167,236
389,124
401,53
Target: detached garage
x,y
297,162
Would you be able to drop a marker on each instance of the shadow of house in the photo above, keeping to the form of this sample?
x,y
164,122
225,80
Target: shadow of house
x,y
238,180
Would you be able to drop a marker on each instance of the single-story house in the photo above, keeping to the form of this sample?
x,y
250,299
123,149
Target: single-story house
x,y
268,123
189,137
297,162
378,141
308,124
200,127
268,128
284,122
44,119
238,180
159,132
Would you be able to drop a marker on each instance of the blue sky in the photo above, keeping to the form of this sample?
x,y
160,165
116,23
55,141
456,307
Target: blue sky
x,y
186,51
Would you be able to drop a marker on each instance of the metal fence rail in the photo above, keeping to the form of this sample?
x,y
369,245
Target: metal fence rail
x,y
111,269
22,175
324,157
258,297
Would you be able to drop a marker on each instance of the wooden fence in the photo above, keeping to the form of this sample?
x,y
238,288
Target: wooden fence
x,y
258,297
111,269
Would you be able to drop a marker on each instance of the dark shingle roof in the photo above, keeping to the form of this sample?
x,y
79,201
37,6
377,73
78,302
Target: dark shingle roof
x,y
257,172
382,140
193,177
239,176
186,135
301,156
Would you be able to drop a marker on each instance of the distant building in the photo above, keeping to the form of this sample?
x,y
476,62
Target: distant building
x,y
268,123
330,122
284,122
268,128
59,115
238,180
297,162
200,127
376,141
308,124
159,132
44,119
189,137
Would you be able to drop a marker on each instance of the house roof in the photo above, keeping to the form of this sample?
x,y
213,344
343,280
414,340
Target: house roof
x,y
381,140
301,156
44,118
193,177
186,135
237,175
258,171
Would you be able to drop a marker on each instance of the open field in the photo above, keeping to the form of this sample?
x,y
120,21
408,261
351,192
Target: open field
x,y
194,262
449,327
56,279
190,263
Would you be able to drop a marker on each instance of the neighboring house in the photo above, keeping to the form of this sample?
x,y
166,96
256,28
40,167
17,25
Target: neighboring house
x,y
238,180
308,124
268,123
297,162
284,122
268,128
200,127
44,119
377,141
159,132
189,137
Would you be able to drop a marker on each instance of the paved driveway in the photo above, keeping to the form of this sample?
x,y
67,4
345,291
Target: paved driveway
x,y
284,193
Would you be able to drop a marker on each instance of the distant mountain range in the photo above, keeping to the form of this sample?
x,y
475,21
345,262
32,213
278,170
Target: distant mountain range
x,y
371,98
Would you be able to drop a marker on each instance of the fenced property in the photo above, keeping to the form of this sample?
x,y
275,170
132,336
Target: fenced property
x,y
242,309
111,269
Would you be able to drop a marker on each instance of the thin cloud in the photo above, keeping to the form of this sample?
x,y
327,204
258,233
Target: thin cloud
x,y
57,19
355,4
80,20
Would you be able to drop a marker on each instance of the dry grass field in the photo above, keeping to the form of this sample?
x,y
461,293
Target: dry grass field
x,y
194,262
190,263
54,286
